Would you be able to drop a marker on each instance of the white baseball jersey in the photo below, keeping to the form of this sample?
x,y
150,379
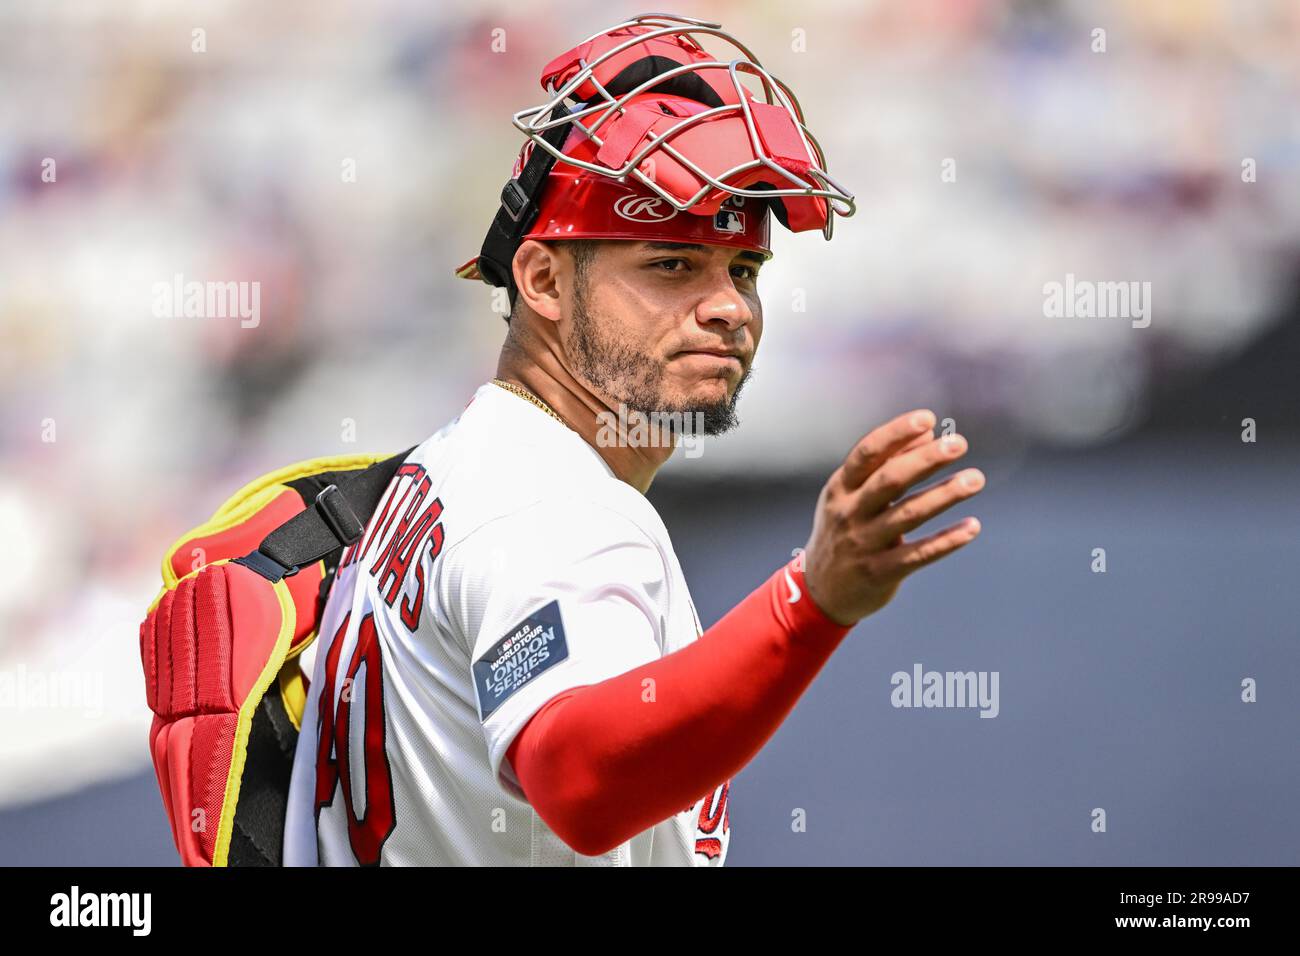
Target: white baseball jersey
x,y
505,563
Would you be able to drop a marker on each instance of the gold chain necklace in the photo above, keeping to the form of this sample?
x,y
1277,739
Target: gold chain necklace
x,y
529,397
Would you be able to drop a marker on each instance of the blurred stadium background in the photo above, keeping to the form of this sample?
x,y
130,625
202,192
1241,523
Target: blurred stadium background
x,y
120,430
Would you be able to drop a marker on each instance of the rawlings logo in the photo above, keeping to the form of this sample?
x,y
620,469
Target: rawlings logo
x,y
644,209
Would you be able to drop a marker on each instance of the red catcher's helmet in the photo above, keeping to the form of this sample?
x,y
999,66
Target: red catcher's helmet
x,y
663,143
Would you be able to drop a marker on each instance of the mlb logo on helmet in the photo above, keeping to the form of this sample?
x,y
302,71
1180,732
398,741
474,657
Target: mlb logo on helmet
x,y
727,219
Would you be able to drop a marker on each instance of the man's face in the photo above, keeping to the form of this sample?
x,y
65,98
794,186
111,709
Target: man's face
x,y
667,327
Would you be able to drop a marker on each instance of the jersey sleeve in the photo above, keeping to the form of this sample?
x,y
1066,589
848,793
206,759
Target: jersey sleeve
x,y
548,599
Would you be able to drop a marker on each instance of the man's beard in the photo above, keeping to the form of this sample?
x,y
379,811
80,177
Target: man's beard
x,y
635,380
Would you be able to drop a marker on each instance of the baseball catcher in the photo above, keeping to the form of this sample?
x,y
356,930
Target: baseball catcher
x,y
483,650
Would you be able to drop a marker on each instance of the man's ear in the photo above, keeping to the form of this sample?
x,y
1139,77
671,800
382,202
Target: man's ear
x,y
536,265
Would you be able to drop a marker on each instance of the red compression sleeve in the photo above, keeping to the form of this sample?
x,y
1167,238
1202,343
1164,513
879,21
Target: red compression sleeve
x,y
603,762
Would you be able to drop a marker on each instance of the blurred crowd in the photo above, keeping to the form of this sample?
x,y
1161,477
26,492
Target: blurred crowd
x,y
347,157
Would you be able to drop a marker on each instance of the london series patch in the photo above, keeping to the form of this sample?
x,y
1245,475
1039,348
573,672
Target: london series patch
x,y
528,650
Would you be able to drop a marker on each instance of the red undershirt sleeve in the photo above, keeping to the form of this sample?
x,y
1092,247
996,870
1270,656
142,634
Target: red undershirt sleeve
x,y
603,762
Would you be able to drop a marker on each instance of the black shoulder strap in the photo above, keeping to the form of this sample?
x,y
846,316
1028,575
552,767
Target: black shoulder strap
x,y
336,518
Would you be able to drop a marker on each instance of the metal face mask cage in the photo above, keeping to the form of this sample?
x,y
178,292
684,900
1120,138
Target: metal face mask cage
x,y
547,126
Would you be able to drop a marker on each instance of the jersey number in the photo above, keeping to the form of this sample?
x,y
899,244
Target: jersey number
x,y
333,755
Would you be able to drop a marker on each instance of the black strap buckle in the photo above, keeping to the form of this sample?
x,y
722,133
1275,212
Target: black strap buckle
x,y
514,200
338,514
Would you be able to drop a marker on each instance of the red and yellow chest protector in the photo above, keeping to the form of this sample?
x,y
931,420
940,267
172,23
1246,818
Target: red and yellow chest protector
x,y
241,598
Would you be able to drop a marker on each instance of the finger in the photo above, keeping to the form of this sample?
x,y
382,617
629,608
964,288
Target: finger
x,y
891,480
912,556
921,439
916,509
880,443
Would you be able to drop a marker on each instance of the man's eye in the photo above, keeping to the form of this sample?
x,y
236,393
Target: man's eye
x,y
750,273
663,262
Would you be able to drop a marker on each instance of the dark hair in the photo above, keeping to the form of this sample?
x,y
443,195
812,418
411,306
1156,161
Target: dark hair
x,y
583,252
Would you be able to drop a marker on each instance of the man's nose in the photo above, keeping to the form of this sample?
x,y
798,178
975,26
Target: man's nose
x,y
725,303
